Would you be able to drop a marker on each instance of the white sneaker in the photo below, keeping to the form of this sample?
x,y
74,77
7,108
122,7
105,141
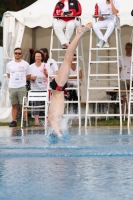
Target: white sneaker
x,y
106,45
100,44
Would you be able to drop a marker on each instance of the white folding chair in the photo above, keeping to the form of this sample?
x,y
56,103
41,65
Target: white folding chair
x,y
34,96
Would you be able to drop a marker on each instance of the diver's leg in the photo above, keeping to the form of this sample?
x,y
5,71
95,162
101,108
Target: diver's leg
x,y
64,70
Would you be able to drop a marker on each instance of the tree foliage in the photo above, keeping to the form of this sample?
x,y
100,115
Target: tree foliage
x,y
14,5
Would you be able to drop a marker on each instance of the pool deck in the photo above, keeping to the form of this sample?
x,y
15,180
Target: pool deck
x,y
8,131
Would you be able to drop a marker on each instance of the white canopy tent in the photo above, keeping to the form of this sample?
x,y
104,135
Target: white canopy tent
x,y
39,14
31,27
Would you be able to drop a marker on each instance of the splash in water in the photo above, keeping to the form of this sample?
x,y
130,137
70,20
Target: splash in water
x,y
64,127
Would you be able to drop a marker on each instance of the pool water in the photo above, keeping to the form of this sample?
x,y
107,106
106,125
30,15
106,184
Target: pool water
x,y
95,164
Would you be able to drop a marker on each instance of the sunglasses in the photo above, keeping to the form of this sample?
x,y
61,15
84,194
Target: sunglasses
x,y
17,53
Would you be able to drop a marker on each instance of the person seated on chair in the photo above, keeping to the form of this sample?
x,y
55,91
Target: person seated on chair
x,y
125,69
65,11
110,7
38,79
51,64
72,94
58,84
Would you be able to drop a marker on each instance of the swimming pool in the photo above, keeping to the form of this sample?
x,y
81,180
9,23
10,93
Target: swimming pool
x,y
96,164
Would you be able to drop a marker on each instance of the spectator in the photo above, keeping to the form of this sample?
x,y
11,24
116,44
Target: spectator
x,y
72,94
18,71
51,64
127,60
65,11
110,7
38,79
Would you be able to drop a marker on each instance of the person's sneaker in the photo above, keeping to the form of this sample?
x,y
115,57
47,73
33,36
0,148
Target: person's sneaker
x,y
106,45
26,125
65,46
13,124
100,44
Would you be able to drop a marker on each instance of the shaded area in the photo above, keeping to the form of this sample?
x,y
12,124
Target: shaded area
x,y
1,36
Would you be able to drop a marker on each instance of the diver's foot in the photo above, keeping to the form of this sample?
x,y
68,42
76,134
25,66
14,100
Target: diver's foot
x,y
82,30
60,135
57,135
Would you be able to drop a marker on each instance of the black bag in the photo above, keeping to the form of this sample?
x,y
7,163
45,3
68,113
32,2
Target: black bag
x,y
112,95
68,12
132,12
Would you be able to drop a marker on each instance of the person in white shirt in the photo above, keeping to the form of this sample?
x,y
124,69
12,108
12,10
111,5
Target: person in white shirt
x,y
72,94
18,71
65,12
51,64
110,7
125,69
38,79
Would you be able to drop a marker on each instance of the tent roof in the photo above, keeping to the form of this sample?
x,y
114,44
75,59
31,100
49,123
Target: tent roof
x,y
40,13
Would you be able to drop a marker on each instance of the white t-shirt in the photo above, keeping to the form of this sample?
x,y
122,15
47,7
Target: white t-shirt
x,y
74,73
51,66
66,8
106,9
18,72
41,80
127,67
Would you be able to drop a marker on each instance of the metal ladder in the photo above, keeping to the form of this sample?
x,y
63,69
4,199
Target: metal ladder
x,y
93,85
130,113
59,50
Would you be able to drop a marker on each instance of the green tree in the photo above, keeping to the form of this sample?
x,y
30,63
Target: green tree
x,y
14,5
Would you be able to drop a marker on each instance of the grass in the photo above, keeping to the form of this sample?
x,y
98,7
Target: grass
x,y
100,122
31,122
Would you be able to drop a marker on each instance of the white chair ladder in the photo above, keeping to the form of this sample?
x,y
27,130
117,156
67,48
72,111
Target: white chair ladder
x,y
105,78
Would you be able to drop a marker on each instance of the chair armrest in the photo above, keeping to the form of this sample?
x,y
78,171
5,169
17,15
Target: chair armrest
x,y
24,98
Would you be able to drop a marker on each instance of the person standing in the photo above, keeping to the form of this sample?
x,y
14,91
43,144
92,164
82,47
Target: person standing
x,y
18,71
110,8
51,64
125,72
38,79
65,11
